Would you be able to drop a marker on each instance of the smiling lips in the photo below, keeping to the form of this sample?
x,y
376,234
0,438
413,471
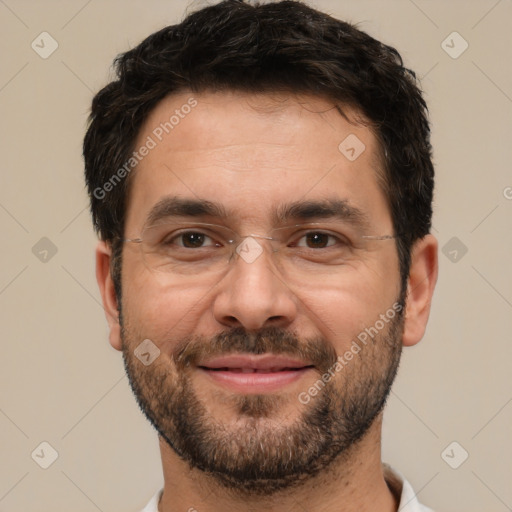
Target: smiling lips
x,y
254,373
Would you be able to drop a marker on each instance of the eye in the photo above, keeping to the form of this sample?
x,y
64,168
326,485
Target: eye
x,y
319,240
191,240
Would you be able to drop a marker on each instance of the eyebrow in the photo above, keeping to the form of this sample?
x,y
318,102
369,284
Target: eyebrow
x,y
172,206
325,209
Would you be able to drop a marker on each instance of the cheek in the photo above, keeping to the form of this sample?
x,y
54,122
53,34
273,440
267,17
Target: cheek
x,y
162,313
354,302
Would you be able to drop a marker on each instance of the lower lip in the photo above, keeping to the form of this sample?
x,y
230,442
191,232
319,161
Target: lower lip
x,y
255,382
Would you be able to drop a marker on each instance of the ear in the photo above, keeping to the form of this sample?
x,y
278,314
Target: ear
x,y
108,295
420,288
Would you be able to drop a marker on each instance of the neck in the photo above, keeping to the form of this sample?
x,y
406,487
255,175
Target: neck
x,y
354,483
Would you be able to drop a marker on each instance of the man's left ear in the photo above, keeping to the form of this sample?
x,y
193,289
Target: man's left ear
x,y
420,288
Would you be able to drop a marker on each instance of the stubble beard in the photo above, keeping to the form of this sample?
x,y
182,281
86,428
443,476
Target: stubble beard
x,y
257,455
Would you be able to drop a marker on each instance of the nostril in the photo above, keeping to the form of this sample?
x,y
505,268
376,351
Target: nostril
x,y
231,320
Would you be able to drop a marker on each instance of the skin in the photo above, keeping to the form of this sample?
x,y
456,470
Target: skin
x,y
251,153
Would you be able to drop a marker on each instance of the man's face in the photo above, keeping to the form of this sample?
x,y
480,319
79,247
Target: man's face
x,y
244,341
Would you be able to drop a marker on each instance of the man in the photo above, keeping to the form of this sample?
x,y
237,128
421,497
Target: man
x,y
261,179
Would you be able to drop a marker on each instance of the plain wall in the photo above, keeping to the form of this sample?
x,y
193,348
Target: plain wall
x,y
60,380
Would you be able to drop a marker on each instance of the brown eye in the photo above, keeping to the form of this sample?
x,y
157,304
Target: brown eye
x,y
192,240
317,240
189,240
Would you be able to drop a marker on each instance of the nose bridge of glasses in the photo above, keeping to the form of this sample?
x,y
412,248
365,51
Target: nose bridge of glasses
x,y
250,247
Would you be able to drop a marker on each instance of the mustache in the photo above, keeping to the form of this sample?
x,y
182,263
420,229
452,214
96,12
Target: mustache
x,y
317,351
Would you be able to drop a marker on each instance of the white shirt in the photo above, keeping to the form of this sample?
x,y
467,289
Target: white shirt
x,y
398,485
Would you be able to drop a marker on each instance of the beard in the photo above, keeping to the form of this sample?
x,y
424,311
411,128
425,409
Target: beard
x,y
260,453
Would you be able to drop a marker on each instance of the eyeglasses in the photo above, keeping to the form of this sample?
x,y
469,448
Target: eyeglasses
x,y
199,252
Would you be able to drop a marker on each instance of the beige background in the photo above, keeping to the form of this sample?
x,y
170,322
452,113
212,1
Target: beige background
x,y
61,382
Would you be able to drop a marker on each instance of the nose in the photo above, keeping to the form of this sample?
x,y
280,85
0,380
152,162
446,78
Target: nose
x,y
253,294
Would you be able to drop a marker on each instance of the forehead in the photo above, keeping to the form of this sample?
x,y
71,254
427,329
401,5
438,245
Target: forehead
x,y
253,153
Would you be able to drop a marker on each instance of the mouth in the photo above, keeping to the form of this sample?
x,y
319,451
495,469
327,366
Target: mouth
x,y
254,373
